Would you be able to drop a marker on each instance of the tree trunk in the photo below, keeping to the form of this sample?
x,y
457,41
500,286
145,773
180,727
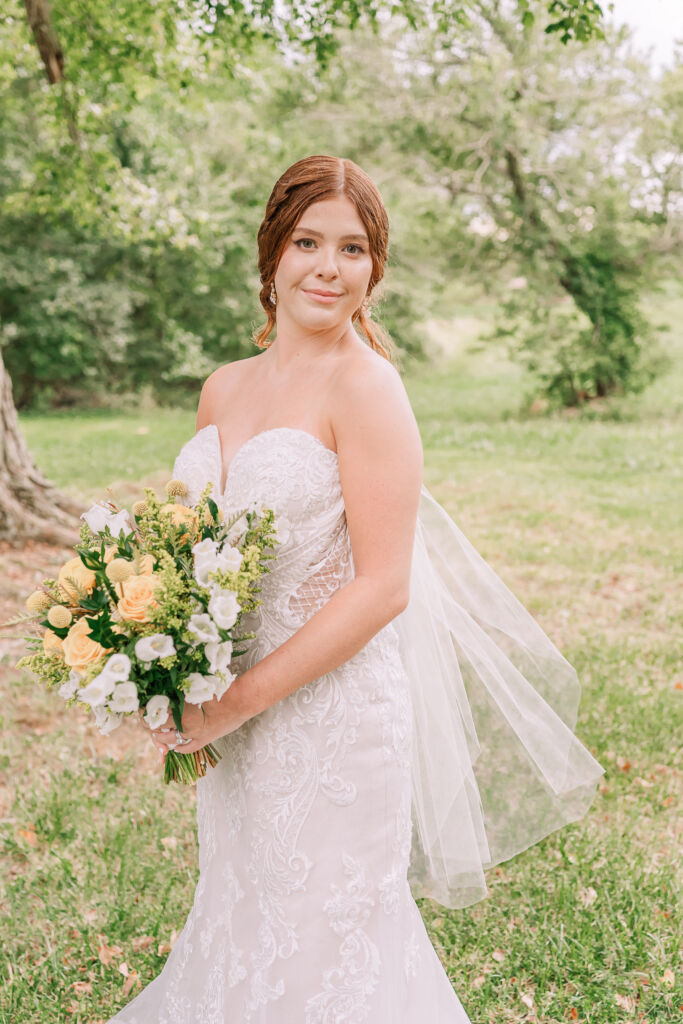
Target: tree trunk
x,y
40,21
30,506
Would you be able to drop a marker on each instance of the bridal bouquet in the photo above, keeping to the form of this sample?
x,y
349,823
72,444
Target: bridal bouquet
x,y
146,615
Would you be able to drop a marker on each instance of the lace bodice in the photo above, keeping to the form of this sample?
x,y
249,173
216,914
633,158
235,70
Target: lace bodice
x,y
294,473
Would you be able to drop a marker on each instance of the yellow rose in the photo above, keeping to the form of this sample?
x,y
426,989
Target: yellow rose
x,y
138,597
51,642
79,649
80,573
182,514
110,553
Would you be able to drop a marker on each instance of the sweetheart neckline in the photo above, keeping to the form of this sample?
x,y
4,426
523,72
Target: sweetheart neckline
x,y
254,437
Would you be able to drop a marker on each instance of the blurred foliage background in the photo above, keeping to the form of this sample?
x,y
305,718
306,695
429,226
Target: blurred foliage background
x,y
535,181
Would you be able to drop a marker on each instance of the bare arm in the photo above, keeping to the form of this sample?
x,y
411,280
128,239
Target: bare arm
x,y
380,467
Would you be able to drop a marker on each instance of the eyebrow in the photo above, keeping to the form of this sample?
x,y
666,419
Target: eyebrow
x,y
310,231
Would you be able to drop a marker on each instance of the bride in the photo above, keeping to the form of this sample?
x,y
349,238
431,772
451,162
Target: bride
x,y
400,723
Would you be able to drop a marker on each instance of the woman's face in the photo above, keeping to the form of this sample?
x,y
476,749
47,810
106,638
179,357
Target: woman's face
x,y
328,251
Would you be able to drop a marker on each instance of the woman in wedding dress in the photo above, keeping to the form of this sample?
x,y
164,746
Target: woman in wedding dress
x,y
400,723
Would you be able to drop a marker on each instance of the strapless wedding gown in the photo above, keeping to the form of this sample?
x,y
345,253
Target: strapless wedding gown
x,y
303,913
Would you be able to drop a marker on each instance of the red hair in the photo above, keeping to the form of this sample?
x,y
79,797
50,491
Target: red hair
x,y
309,181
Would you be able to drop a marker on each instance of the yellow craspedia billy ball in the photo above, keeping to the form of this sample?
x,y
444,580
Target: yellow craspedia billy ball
x,y
139,508
38,601
119,570
176,488
59,616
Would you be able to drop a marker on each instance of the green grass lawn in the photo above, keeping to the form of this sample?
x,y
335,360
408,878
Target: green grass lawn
x,y
580,514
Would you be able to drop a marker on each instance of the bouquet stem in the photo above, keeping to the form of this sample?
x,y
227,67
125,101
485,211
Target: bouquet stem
x,y
188,768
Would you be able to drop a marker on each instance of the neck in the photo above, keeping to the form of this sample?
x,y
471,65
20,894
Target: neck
x,y
295,346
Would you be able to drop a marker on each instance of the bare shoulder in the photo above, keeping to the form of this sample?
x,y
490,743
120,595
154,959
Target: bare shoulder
x,y
369,397
224,381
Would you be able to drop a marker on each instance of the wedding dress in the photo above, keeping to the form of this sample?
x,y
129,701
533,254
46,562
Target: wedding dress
x,y
310,825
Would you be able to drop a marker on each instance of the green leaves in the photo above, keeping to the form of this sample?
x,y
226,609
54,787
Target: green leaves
x,y
101,631
580,20
90,559
96,602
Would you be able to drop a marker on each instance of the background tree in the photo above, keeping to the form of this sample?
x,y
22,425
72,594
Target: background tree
x,y
79,180
542,157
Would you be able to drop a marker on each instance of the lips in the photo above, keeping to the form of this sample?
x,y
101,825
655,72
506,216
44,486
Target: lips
x,y
317,291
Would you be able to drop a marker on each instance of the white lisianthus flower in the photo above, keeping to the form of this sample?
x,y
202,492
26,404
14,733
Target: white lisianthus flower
x,y
99,516
224,608
124,698
158,645
106,721
202,568
68,689
219,655
204,553
118,667
97,690
229,559
206,548
201,688
203,627
224,680
156,711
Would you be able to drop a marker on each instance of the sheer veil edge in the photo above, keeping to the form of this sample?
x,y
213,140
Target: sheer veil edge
x,y
496,764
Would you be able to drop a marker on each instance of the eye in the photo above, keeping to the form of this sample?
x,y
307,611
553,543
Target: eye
x,y
351,245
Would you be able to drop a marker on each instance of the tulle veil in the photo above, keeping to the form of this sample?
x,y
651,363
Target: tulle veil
x,y
496,764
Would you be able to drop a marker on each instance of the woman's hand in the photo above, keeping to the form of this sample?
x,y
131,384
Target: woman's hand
x,y
201,723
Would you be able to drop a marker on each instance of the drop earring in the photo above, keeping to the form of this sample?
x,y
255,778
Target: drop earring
x,y
273,295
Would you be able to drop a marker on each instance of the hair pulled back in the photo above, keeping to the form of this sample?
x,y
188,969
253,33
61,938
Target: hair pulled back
x,y
308,181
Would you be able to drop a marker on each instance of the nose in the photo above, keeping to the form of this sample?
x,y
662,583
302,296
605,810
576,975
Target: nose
x,y
327,262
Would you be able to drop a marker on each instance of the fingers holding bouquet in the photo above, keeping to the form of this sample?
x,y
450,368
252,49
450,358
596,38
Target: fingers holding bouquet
x,y
202,724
